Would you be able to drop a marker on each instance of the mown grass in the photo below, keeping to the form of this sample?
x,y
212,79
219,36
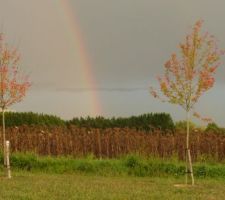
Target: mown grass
x,y
128,178
38,186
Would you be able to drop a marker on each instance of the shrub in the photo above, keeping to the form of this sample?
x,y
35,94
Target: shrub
x,y
213,127
181,126
132,161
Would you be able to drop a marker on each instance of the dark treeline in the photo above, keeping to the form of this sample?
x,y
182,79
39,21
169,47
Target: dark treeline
x,y
30,118
148,122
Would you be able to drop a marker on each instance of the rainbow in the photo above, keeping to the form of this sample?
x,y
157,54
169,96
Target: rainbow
x,y
78,40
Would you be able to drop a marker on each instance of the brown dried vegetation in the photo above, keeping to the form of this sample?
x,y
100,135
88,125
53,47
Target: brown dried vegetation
x,y
111,143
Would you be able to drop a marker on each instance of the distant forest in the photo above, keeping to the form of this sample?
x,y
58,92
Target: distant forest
x,y
148,122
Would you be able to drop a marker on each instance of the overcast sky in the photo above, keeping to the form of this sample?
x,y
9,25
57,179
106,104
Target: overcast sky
x,y
127,43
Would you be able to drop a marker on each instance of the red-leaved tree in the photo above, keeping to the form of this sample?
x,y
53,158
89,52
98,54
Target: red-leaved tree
x,y
13,85
188,76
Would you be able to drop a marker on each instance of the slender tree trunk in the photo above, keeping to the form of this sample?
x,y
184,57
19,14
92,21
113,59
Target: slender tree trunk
x,y
3,135
8,171
189,169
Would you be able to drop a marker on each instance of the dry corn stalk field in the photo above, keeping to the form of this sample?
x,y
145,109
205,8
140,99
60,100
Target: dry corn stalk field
x,y
111,143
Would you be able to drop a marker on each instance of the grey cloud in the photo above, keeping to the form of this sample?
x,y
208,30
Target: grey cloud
x,y
128,42
78,90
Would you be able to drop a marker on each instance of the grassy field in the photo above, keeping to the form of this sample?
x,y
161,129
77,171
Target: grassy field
x,y
33,186
130,177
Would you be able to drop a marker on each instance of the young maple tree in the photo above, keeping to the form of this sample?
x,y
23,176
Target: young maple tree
x,y
13,86
189,76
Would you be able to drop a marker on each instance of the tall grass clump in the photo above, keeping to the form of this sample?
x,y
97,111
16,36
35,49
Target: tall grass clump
x,y
130,165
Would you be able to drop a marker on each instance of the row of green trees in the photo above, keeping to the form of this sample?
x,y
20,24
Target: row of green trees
x,y
148,122
30,118
162,121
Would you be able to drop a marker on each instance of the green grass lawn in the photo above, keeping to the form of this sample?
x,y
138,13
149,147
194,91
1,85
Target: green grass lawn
x,y
32,186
